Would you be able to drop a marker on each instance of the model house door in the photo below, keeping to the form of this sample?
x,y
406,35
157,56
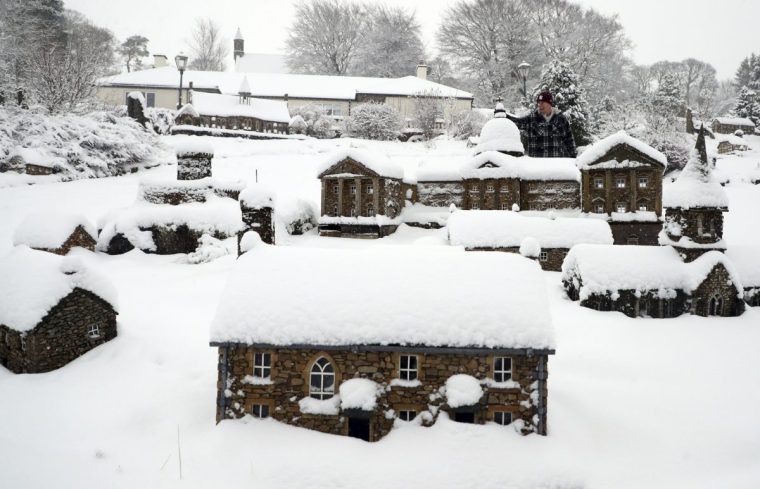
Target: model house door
x,y
358,428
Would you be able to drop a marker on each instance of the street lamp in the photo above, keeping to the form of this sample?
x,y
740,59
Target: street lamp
x,y
181,61
523,69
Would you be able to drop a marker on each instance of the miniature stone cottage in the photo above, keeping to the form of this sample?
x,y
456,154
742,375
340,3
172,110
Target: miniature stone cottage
x,y
327,350
362,194
55,232
729,125
622,178
508,231
52,310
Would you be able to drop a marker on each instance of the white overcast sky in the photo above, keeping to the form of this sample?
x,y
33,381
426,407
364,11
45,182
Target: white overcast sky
x,y
720,32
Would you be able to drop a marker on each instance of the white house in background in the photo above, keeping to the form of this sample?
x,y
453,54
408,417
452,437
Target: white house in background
x,y
337,94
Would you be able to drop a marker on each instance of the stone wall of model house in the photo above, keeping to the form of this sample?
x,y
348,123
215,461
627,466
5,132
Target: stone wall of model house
x,y
233,122
440,194
549,258
404,394
622,190
78,323
504,193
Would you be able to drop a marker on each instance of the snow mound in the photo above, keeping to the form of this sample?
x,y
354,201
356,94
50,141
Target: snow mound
x,y
747,261
359,394
328,407
379,164
189,146
597,150
50,229
249,241
312,296
35,281
209,249
258,196
529,247
492,164
500,134
505,229
463,390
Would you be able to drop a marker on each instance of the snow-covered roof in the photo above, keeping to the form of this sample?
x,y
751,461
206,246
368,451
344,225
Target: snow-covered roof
x,y
378,163
500,134
284,295
747,262
277,84
611,268
525,168
735,121
211,104
257,196
598,150
245,87
192,146
50,229
504,229
359,393
696,186
33,282
261,63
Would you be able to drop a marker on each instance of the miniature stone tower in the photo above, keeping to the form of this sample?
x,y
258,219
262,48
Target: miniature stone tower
x,y
237,45
694,206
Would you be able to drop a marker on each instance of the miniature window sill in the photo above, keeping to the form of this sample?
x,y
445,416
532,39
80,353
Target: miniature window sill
x,y
250,379
405,383
507,384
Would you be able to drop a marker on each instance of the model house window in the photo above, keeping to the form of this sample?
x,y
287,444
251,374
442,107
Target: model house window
x,y
352,189
543,256
407,415
700,225
502,418
643,206
633,240
335,209
335,188
620,182
322,379
370,210
715,306
490,188
353,212
407,369
370,190
599,207
502,369
599,183
93,331
475,205
260,411
23,342
262,365
621,207
504,206
474,187
643,182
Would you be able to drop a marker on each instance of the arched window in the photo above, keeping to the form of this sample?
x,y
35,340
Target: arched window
x,y
715,306
322,379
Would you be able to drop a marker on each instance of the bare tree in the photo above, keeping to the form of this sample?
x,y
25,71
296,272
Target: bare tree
x,y
325,37
208,48
133,49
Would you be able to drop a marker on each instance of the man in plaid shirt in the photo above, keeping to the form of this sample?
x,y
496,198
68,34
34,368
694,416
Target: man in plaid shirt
x,y
546,131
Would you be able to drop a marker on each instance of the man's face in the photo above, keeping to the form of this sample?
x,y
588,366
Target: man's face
x,y
544,107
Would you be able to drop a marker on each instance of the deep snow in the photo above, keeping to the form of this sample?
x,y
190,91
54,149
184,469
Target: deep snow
x,y
632,402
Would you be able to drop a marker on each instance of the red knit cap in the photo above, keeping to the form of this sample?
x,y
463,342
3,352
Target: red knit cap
x,y
545,96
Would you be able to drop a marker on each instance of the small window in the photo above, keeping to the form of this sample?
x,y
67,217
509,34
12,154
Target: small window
x,y
407,415
335,209
502,418
352,189
93,331
543,256
715,306
700,225
502,369
407,367
620,182
23,342
262,365
621,207
353,212
322,379
475,205
335,188
370,189
643,206
599,183
474,188
490,188
599,207
643,182
504,206
260,411
633,240
370,210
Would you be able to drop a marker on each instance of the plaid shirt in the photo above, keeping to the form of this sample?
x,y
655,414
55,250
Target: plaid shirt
x,y
552,139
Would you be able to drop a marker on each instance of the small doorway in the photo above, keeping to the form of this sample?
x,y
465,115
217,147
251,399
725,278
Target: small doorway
x,y
358,428
464,417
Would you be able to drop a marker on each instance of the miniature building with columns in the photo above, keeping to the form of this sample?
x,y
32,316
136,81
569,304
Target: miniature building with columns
x,y
322,350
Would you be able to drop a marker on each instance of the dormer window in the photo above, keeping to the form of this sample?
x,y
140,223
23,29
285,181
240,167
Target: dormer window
x,y
490,188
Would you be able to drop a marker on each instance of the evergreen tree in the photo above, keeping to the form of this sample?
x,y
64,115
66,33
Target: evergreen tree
x,y
747,105
668,98
569,98
133,50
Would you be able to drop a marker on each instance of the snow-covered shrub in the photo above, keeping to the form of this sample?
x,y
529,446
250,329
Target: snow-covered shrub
x,y
299,216
739,133
529,247
675,150
209,249
161,120
373,121
97,144
298,125
466,123
318,124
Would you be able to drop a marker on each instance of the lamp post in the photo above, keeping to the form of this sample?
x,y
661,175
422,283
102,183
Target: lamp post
x,y
523,69
181,61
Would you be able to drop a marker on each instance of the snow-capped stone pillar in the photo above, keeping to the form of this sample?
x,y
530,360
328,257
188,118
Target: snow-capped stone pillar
x,y
257,204
358,196
340,196
376,196
194,161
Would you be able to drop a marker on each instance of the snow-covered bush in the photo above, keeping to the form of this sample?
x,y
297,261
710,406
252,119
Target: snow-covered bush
x,y
676,150
161,120
97,144
209,249
298,216
466,123
298,125
529,247
373,121
318,124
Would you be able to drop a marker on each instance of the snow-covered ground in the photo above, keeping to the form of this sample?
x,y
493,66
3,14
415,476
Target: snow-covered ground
x,y
633,403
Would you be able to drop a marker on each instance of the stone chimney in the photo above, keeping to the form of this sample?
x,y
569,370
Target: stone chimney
x,y
238,43
160,60
257,204
422,70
